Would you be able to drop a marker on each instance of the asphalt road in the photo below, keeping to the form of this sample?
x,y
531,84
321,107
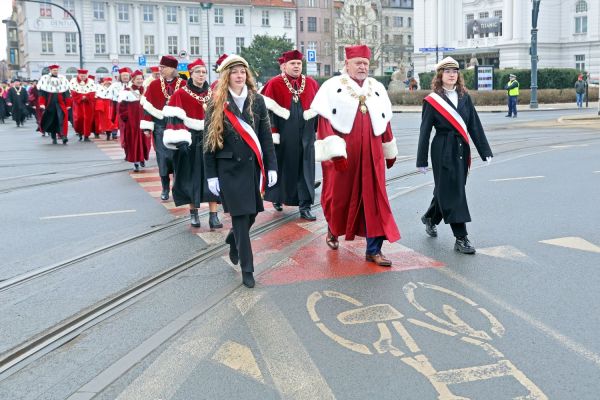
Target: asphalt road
x,y
519,318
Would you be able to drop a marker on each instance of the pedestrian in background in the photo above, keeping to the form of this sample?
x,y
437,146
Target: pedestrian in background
x,y
579,90
450,111
512,88
17,101
240,157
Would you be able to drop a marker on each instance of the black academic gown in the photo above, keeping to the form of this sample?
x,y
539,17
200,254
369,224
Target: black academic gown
x,y
19,104
450,156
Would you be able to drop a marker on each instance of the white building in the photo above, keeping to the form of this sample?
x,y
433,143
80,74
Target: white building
x,y
117,34
498,32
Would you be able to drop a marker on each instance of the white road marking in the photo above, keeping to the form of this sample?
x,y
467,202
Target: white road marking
x,y
239,358
573,242
596,172
566,146
89,214
508,252
520,178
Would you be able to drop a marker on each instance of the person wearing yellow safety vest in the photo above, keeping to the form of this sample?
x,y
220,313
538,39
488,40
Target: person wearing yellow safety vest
x,y
513,94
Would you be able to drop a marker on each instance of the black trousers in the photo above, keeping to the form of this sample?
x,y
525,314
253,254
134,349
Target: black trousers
x,y
459,229
241,233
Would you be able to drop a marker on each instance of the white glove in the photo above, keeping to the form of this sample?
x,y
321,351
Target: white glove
x,y
488,160
422,170
213,186
272,178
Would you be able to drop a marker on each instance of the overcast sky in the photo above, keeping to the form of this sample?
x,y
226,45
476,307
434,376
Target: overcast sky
x,y
5,11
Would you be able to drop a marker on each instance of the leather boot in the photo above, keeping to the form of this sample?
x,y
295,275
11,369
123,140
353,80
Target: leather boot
x,y
213,221
164,195
194,219
430,227
463,245
136,167
233,253
65,139
53,138
248,279
143,164
107,135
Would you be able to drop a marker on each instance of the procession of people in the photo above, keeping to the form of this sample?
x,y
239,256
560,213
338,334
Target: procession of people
x,y
228,144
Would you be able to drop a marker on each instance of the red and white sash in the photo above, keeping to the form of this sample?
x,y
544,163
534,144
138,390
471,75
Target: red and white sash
x,y
451,115
249,136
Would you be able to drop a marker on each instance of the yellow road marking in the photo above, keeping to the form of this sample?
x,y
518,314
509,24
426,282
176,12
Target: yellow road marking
x,y
239,358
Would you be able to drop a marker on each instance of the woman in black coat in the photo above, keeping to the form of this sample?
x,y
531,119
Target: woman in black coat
x,y
240,157
450,111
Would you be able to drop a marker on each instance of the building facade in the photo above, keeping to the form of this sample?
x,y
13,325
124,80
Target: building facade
x,y
315,23
136,34
498,33
397,36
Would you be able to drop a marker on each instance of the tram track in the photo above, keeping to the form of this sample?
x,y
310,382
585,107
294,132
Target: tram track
x,y
53,337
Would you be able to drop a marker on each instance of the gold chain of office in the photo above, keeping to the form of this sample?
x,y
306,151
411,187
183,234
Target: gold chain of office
x,y
361,98
295,93
164,89
200,99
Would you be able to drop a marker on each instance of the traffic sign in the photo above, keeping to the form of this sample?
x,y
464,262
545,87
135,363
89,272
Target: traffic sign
x,y
447,48
142,61
430,49
311,69
115,68
182,54
426,49
311,56
182,66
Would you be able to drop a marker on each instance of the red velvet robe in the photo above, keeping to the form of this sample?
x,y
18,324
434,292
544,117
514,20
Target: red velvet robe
x,y
133,140
58,90
103,110
34,99
83,106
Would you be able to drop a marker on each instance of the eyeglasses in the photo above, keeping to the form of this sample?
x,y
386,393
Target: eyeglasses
x,y
450,71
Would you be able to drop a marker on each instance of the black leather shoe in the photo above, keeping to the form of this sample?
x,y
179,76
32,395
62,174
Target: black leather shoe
x,y
430,227
213,221
233,253
248,279
307,215
143,164
136,167
278,206
80,136
508,116
108,136
54,141
463,245
194,219
86,139
164,195
65,140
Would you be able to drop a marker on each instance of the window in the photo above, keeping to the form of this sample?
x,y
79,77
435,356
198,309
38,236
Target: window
x,y
287,19
363,32
581,24
351,32
312,24
327,48
45,10
218,15
172,45
100,40
195,45
265,18
399,39
326,25
340,53
171,12
98,11
47,46
351,10
71,43
219,45
69,5
484,14
374,34
498,14
327,70
239,43
386,21
580,62
123,12
301,47
398,22
311,3
581,6
409,40
149,44
340,31
124,44
148,13
470,17
312,45
409,22
301,24
193,15
239,16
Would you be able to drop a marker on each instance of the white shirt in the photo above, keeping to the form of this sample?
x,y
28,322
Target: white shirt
x,y
239,100
452,96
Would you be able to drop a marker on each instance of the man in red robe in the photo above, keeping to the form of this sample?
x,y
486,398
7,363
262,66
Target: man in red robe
x,y
217,69
288,97
55,101
354,137
83,91
155,98
103,107
155,73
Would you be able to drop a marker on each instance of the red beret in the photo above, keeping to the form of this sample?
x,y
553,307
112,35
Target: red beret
x,y
281,60
136,73
125,70
154,69
53,66
362,51
92,77
197,63
107,79
292,55
82,71
220,59
168,61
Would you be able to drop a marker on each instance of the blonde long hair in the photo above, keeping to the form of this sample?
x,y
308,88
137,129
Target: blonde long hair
x,y
213,139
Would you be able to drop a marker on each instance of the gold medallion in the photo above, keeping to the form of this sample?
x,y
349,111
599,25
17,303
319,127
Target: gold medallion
x,y
295,97
363,109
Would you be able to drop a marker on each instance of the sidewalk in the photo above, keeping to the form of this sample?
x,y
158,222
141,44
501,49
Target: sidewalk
x,y
501,108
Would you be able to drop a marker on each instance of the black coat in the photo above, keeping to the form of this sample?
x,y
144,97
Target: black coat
x,y
19,103
235,164
450,155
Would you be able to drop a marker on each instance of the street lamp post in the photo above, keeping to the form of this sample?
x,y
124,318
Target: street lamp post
x,y
206,7
74,20
533,50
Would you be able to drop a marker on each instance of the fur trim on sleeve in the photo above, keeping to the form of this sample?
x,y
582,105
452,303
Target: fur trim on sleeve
x,y
390,150
276,138
146,125
330,147
276,108
173,136
309,114
148,107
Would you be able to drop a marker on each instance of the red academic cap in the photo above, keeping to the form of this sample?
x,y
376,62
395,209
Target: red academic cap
x,y
53,66
281,60
168,61
362,51
220,59
154,69
125,70
93,77
292,55
107,79
82,71
198,63
136,73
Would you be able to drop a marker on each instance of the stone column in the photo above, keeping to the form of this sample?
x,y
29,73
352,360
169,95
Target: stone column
x,y
183,32
161,41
